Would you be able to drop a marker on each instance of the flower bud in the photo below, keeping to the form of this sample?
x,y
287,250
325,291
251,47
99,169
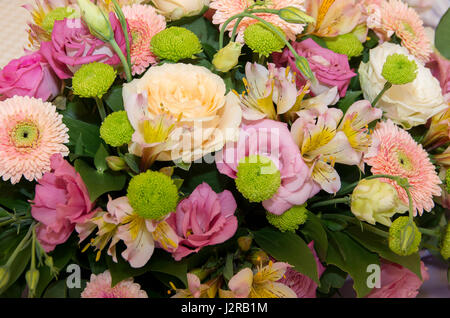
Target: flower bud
x,y
227,57
96,20
376,201
32,278
4,276
116,163
295,15
259,257
245,242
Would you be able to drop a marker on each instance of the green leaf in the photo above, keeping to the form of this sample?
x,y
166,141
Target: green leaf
x,y
114,98
442,37
332,277
183,165
352,258
89,134
200,173
288,247
100,159
228,269
57,290
348,100
132,161
314,230
379,245
99,183
205,30
18,266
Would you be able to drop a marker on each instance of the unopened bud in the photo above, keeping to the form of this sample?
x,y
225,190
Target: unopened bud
x,y
259,257
32,278
295,15
96,20
115,163
201,273
4,276
227,57
245,242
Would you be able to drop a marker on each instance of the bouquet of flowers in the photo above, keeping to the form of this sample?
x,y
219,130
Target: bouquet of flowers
x,y
224,148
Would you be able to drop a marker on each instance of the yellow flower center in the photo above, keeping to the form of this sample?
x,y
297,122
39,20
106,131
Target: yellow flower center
x,y
25,135
408,28
403,160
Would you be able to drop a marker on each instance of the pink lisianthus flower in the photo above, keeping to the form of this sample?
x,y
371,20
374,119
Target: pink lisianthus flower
x,y
61,201
440,68
73,45
31,76
271,139
398,281
301,284
330,68
204,218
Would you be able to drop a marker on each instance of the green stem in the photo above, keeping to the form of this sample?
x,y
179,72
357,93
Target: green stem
x,y
345,200
101,108
25,241
387,85
12,220
429,232
370,228
122,59
233,34
33,249
123,23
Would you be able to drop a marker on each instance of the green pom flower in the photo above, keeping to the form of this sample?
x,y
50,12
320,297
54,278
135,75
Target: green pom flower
x,y
116,129
262,40
152,195
289,220
347,44
445,249
56,15
447,180
93,80
175,44
258,178
399,69
400,235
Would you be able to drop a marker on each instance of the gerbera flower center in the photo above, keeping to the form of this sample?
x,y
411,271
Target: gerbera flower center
x,y
404,161
408,28
25,135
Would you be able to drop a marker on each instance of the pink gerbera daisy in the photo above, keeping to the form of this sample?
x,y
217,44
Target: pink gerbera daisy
x,y
144,23
394,152
100,287
31,131
398,18
227,8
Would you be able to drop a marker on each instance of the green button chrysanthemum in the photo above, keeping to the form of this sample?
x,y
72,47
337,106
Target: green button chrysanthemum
x,y
152,195
55,15
401,240
445,247
289,220
399,69
347,44
116,129
175,43
257,178
447,180
93,80
262,40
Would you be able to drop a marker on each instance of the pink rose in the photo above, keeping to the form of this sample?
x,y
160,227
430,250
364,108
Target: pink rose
x,y
204,218
61,201
440,68
301,284
72,45
271,139
330,68
31,76
398,281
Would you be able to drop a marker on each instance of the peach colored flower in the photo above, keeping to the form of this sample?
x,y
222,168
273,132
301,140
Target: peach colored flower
x,y
100,287
227,8
144,23
204,116
31,131
394,152
396,17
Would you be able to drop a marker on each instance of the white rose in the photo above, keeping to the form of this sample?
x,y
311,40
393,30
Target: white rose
x,y
177,9
408,105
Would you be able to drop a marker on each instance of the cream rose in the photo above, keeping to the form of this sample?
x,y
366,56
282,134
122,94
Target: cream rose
x,y
193,100
177,9
408,105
